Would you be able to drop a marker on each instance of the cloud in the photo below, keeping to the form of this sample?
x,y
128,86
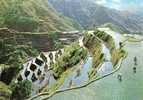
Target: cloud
x,y
134,8
109,3
116,1
127,5
101,2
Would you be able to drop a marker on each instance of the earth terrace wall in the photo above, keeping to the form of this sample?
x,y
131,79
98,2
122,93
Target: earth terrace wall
x,y
116,53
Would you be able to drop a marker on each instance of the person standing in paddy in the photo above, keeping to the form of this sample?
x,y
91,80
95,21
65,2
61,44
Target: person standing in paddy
x,y
135,64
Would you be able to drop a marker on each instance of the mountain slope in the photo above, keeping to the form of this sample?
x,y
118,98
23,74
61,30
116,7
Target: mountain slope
x,y
33,15
88,13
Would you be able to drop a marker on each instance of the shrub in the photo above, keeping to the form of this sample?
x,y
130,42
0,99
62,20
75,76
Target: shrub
x,y
21,90
58,45
26,23
13,56
21,23
54,38
72,55
13,17
7,74
5,92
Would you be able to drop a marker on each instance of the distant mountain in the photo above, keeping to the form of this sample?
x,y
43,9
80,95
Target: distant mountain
x,y
33,15
88,13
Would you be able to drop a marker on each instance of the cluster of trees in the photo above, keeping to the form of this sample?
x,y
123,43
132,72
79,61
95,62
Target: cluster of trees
x,y
21,90
11,59
71,56
106,38
13,17
54,38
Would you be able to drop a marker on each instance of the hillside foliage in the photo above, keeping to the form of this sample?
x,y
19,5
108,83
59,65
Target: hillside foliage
x,y
33,15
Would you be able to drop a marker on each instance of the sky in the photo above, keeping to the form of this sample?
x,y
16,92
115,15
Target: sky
x,y
128,5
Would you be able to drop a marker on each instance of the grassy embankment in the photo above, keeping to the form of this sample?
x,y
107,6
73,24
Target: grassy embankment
x,y
25,16
116,53
94,46
5,91
93,43
134,39
65,64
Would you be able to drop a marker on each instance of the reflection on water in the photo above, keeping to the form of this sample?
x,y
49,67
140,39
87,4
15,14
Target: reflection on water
x,y
116,36
48,82
105,69
107,66
80,75
106,52
77,77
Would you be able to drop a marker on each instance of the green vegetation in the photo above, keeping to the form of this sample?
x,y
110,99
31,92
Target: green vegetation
x,y
92,40
33,15
12,57
133,39
113,27
94,46
92,73
109,41
117,55
14,18
72,55
59,82
5,91
58,45
54,38
21,90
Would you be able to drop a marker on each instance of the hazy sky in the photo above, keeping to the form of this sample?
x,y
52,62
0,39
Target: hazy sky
x,y
130,5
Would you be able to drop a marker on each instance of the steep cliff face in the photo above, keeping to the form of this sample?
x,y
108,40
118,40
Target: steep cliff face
x,y
33,15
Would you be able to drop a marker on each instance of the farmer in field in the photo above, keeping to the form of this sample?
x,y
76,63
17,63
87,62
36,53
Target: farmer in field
x,y
119,77
135,61
134,69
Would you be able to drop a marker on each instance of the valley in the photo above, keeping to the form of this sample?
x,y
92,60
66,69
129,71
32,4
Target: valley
x,y
109,87
69,50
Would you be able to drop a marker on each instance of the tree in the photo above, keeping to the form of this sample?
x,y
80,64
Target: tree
x,y
22,90
14,18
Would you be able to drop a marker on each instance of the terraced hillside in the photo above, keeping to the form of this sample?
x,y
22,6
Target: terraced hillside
x,y
100,61
12,55
110,88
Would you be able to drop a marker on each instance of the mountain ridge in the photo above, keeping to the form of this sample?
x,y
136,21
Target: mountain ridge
x,y
88,13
